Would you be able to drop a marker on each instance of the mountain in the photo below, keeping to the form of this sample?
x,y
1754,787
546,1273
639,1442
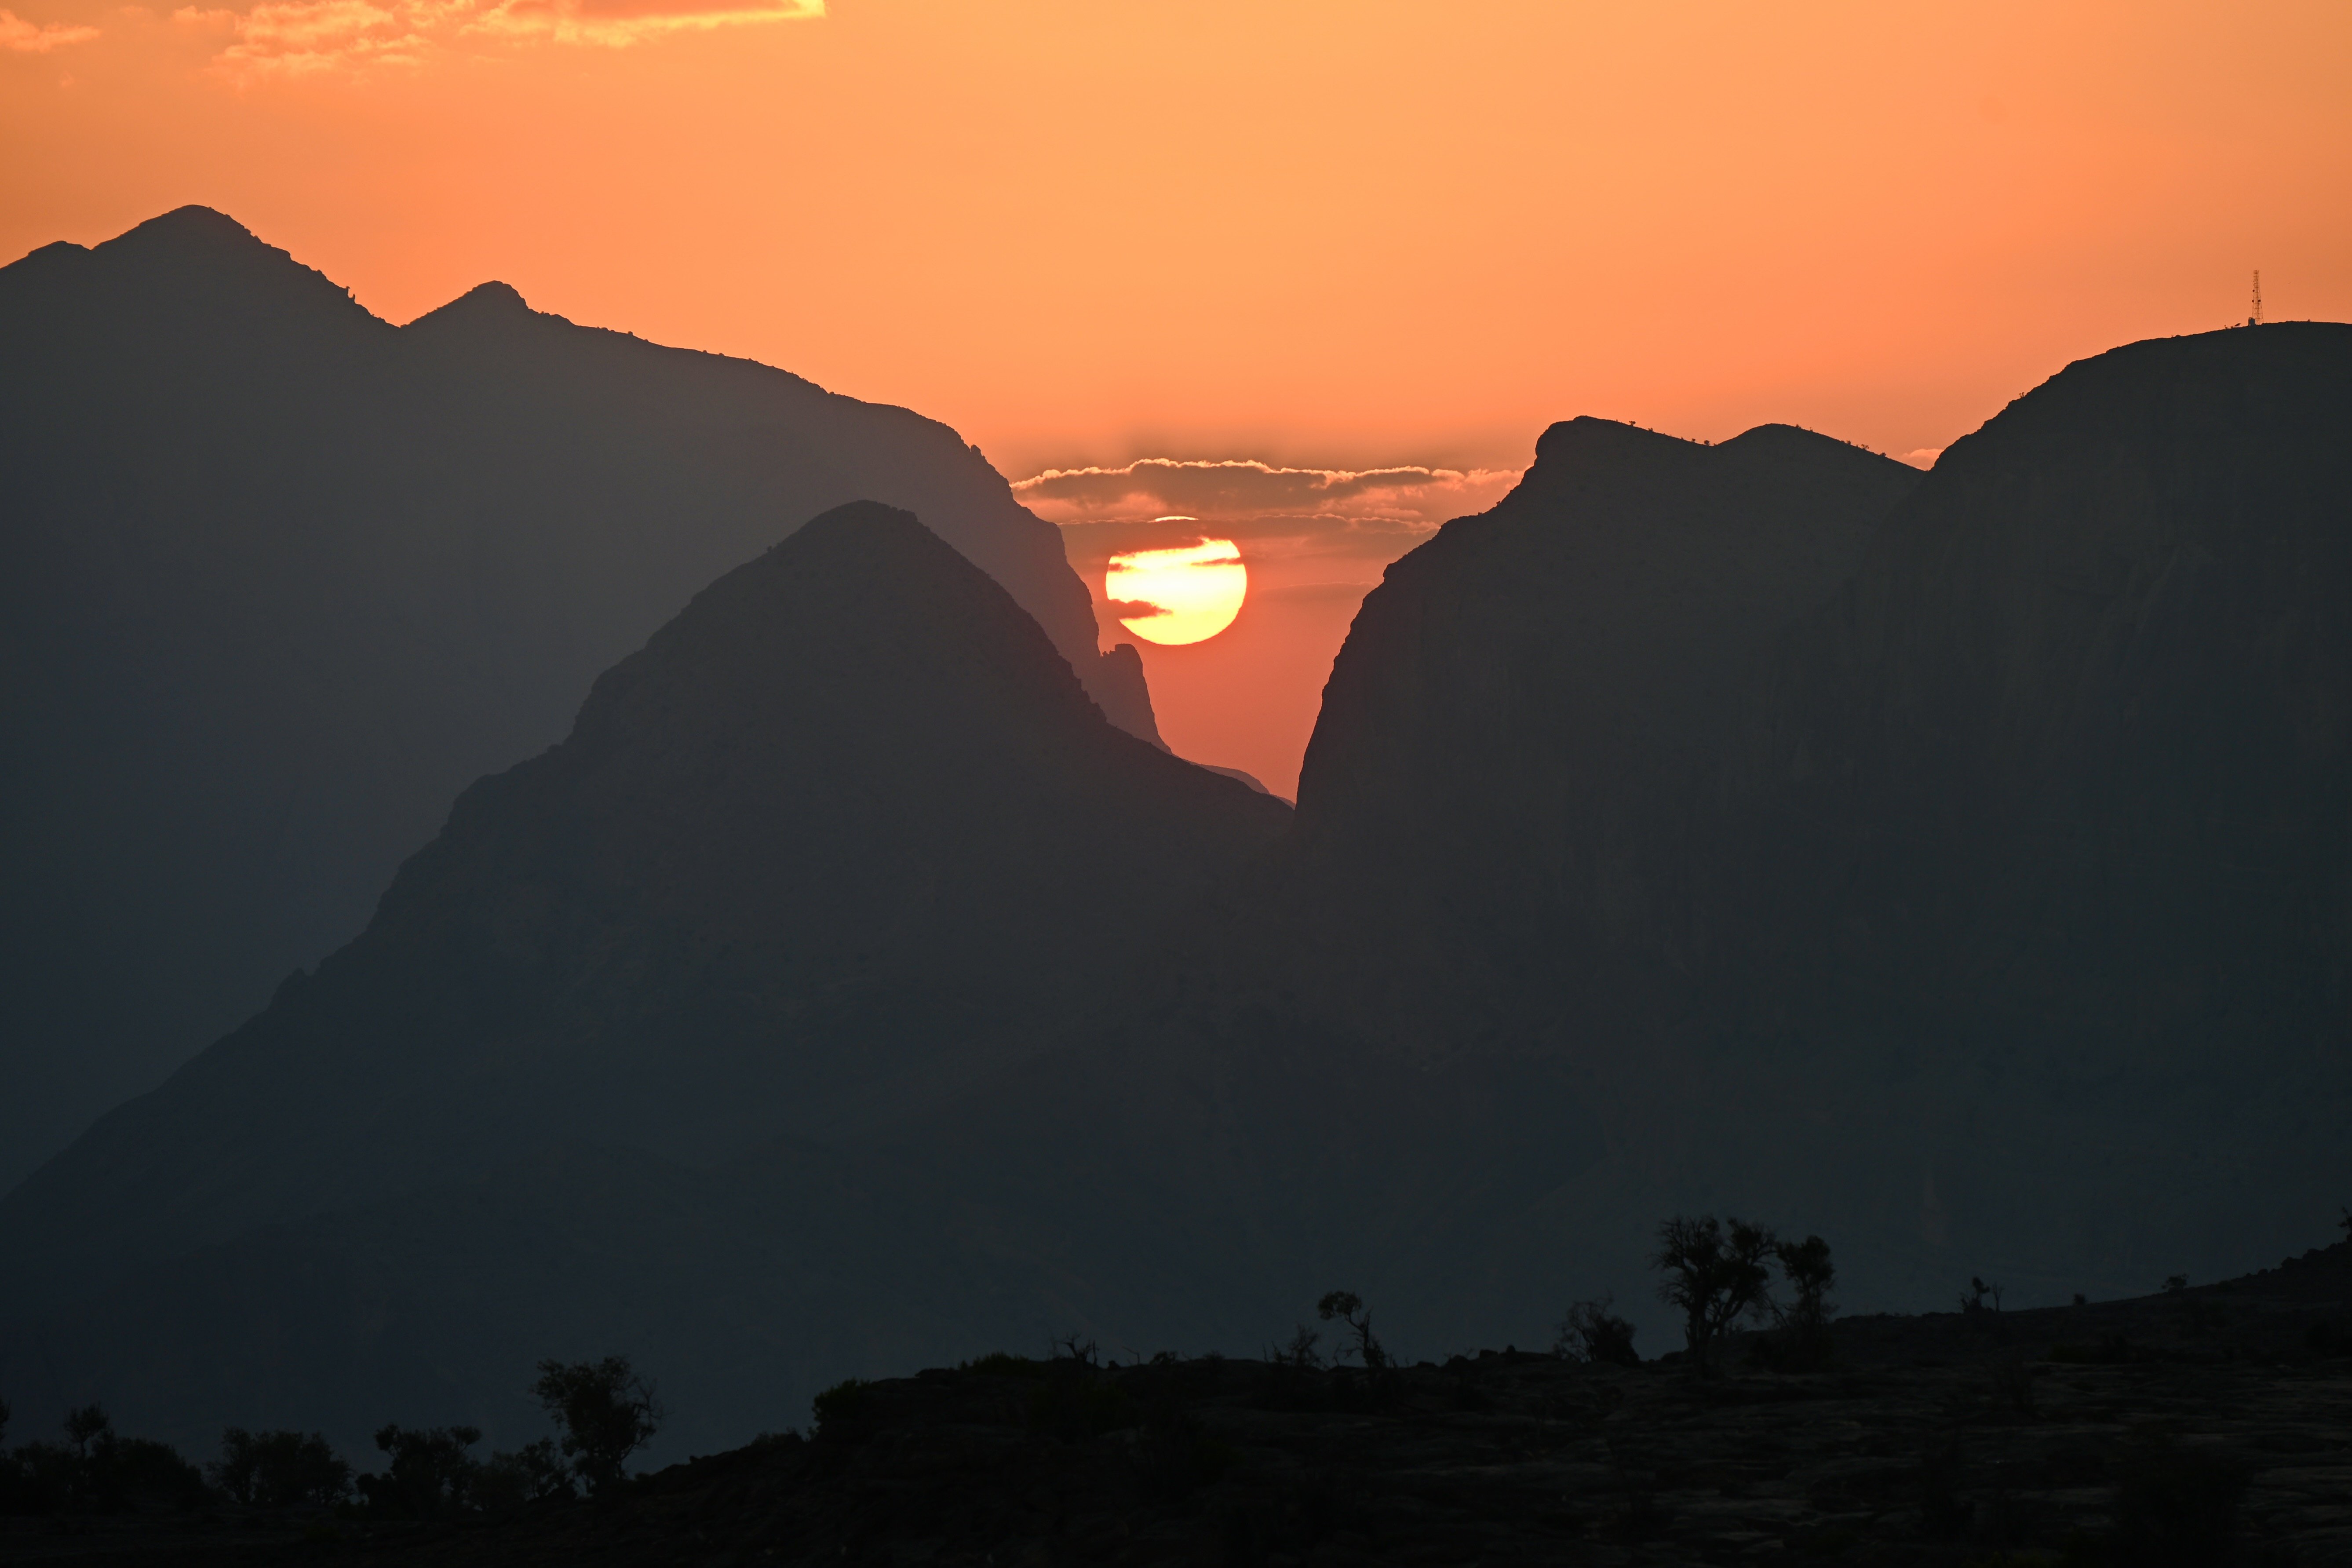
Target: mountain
x,y
1527,710
1399,1033
1954,866
2040,849
283,578
832,843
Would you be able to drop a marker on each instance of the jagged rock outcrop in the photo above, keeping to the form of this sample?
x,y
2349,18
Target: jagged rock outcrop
x,y
831,845
283,578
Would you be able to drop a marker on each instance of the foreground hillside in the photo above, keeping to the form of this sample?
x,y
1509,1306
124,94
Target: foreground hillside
x,y
2209,1425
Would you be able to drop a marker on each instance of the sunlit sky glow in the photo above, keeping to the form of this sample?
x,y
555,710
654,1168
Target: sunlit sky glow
x,y
1339,235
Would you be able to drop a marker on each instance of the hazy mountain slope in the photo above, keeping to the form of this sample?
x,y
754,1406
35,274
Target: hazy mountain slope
x,y
1526,711
1410,1028
2041,852
282,579
836,837
1985,913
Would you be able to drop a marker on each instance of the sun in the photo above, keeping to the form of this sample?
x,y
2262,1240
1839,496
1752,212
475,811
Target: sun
x,y
1178,596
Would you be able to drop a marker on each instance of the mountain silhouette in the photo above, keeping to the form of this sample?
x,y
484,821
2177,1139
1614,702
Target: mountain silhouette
x,y
835,839
284,578
1528,708
2038,849
1950,865
1420,1010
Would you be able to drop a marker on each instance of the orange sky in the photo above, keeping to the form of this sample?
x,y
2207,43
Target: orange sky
x,y
1330,233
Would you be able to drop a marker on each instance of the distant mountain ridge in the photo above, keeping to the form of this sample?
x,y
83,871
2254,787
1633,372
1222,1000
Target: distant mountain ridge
x,y
284,578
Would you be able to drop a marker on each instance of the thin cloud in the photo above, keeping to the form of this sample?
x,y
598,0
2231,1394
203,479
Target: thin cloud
x,y
1356,520
301,38
1231,489
37,38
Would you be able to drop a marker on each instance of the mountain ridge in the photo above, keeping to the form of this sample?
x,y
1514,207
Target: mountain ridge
x,y
286,577
591,956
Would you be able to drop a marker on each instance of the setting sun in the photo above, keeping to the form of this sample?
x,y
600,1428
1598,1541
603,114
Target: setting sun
x,y
1184,596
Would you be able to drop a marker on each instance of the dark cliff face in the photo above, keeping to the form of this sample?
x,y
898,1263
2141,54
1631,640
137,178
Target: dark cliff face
x,y
1529,709
1954,866
835,839
282,579
2045,821
2092,686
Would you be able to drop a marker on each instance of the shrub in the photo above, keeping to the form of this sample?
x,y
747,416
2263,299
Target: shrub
x,y
279,1469
505,1483
95,1471
1808,1268
139,1472
1715,1274
431,1473
1299,1354
608,1413
1001,1363
837,1409
1590,1332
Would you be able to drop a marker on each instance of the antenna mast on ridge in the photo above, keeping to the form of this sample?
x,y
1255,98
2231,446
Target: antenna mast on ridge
x,y
2256,318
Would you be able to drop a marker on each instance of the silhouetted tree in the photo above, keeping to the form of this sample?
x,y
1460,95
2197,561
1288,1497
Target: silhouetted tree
x,y
1973,1299
508,1482
95,1471
1592,1332
608,1413
87,1426
280,1469
1714,1272
430,1475
1347,1307
1807,1267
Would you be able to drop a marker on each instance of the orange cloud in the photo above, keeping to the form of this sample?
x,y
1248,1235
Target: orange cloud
x,y
301,36
1345,523
1150,488
38,39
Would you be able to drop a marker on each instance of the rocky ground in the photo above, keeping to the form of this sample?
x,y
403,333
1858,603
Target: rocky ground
x,y
2208,1425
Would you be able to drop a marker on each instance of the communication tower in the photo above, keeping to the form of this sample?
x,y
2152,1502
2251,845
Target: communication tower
x,y
2256,318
